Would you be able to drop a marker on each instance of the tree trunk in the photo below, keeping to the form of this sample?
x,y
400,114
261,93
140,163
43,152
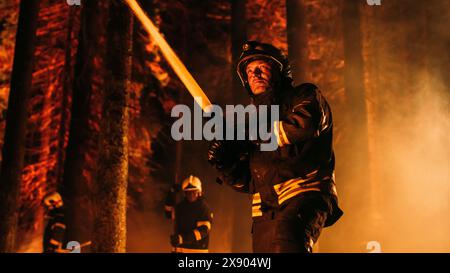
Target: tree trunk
x,y
296,36
14,147
241,240
111,184
238,37
353,76
75,187
66,94
356,115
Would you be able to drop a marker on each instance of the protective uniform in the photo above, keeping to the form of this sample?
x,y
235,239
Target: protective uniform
x,y
294,194
55,229
192,220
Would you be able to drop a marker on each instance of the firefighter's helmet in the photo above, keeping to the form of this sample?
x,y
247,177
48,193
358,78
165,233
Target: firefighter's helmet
x,y
253,50
53,200
192,183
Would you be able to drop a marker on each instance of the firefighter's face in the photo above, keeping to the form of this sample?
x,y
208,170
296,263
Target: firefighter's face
x,y
191,196
259,76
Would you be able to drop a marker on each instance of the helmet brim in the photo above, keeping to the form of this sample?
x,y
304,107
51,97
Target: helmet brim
x,y
191,189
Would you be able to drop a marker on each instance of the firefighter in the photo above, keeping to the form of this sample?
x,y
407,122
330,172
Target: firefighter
x,y
293,188
55,229
191,217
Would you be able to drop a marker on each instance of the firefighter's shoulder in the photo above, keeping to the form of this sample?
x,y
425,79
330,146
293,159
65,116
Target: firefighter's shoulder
x,y
203,202
206,208
180,204
305,94
306,89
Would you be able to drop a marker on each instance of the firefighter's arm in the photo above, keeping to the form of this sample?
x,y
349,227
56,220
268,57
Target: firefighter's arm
x,y
58,230
309,116
203,224
197,234
230,158
236,176
202,229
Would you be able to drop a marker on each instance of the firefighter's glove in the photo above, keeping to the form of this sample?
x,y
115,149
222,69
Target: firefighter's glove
x,y
217,153
225,154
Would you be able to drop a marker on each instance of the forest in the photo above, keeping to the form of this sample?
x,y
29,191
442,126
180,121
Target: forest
x,y
85,110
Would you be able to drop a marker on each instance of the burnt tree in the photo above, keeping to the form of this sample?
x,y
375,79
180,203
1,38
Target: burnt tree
x,y
238,37
111,184
296,29
356,115
15,131
75,185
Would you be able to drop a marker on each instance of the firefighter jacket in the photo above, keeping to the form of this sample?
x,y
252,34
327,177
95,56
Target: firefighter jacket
x,y
54,231
304,160
192,222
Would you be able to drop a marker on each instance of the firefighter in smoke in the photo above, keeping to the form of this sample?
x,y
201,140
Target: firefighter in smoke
x,y
191,217
55,229
293,188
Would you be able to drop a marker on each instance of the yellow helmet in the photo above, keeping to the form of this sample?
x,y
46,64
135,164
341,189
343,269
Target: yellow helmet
x,y
192,183
53,200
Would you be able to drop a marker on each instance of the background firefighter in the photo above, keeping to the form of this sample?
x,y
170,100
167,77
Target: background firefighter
x,y
191,217
293,187
55,228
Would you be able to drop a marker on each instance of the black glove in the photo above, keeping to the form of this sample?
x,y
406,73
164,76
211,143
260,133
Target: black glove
x,y
217,153
176,240
224,154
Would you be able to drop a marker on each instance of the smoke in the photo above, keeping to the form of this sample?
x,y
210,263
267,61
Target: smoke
x,y
148,232
403,201
414,165
399,196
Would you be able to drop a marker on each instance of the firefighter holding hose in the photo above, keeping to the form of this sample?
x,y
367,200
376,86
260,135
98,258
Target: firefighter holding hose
x,y
293,187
